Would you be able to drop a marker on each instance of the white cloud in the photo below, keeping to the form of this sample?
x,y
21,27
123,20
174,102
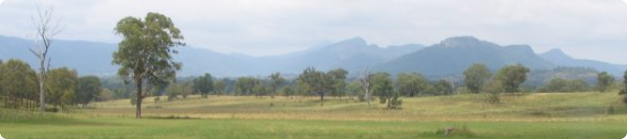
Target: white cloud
x,y
265,27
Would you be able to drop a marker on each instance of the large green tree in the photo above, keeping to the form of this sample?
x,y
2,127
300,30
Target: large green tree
x,y
245,85
476,76
88,89
174,90
604,81
145,52
203,85
220,86
383,87
275,82
442,87
510,77
17,84
62,84
315,81
411,84
288,91
338,83
260,89
354,88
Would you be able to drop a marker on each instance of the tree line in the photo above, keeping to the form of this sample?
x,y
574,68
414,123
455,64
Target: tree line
x,y
19,87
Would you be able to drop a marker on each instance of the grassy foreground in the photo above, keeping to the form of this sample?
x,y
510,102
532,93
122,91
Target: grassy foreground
x,y
580,115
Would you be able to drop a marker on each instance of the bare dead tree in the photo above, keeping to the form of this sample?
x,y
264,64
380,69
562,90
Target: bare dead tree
x,y
365,83
46,30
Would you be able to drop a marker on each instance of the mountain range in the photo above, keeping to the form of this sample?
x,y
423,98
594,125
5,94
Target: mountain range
x,y
450,57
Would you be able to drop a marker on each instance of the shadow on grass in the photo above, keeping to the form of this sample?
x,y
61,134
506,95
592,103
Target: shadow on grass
x,y
172,117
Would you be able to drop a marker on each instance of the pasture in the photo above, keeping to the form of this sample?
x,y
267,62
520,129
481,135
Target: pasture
x,y
542,115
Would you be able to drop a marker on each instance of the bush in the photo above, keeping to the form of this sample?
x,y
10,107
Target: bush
x,y
361,97
154,107
395,102
157,99
455,131
610,110
52,109
493,91
169,117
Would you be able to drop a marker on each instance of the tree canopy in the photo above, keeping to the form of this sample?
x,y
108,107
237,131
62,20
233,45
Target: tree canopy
x,y
383,87
411,84
275,82
510,77
203,85
476,76
17,82
61,87
315,81
88,89
604,81
145,52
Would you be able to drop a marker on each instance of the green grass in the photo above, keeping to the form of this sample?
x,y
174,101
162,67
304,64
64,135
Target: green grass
x,y
259,128
579,115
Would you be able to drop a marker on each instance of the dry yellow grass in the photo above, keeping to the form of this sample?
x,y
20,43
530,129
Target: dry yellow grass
x,y
549,107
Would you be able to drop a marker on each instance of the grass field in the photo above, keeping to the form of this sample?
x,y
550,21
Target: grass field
x,y
552,115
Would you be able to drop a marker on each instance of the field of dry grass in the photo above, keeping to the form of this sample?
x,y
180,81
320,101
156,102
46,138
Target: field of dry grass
x,y
548,115
590,106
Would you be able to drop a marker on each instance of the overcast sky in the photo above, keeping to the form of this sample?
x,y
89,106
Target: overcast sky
x,y
590,29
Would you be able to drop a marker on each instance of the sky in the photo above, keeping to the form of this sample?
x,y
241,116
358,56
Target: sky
x,y
587,29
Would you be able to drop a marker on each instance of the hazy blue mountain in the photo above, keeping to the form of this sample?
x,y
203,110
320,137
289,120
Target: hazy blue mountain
x,y
558,57
197,61
352,54
93,58
450,57
87,57
453,55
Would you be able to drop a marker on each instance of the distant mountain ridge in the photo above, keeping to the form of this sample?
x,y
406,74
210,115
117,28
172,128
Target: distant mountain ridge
x,y
560,58
449,57
453,55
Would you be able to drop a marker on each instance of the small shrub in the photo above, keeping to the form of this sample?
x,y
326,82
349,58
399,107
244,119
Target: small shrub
x,y
154,107
169,117
157,99
539,113
52,109
361,97
610,110
455,131
271,104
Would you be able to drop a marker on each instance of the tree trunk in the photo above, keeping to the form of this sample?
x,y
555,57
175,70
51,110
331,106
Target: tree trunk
x,y
42,101
321,98
367,96
138,112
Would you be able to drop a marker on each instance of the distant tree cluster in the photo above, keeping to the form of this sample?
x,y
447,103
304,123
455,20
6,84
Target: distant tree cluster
x,y
565,85
507,79
63,86
204,85
624,90
604,81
